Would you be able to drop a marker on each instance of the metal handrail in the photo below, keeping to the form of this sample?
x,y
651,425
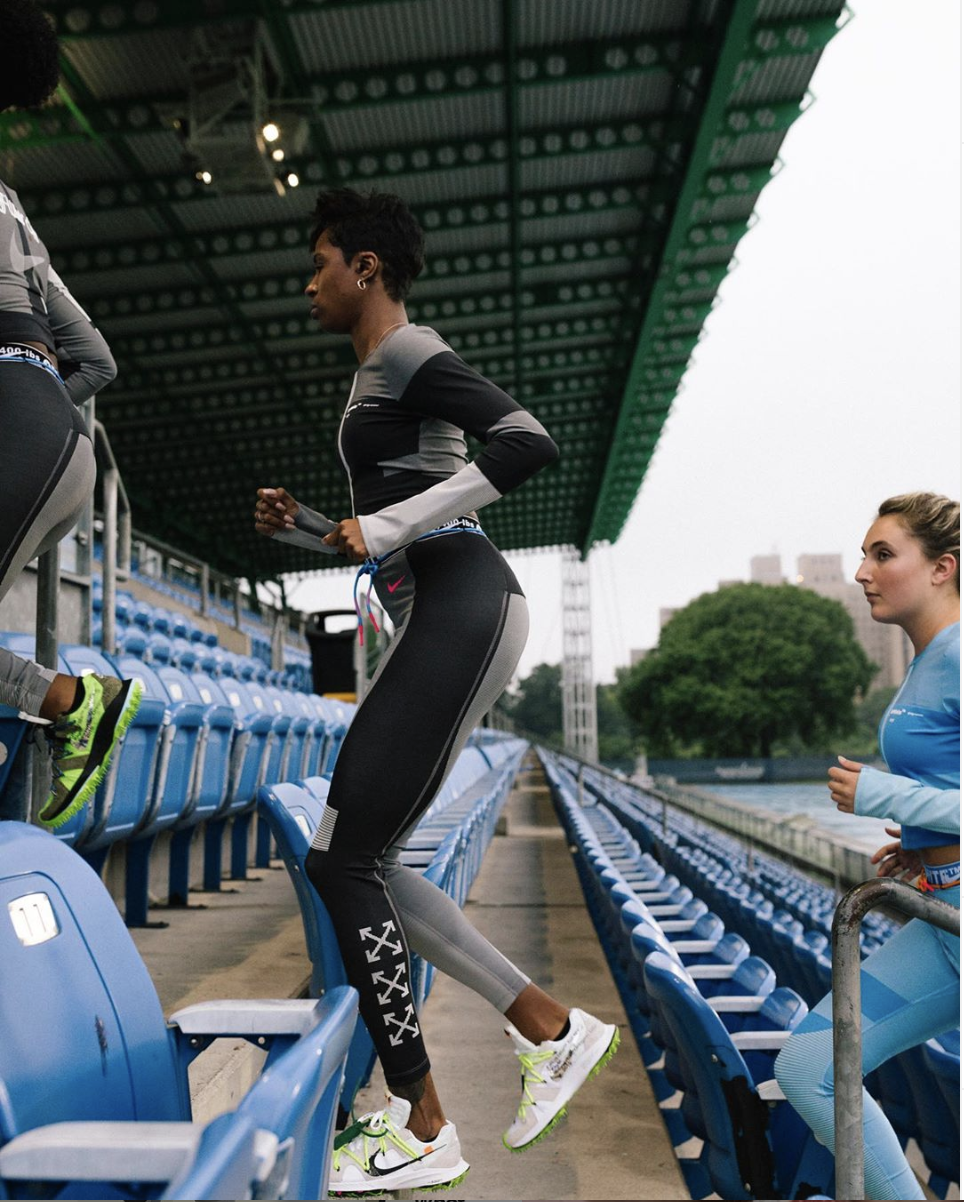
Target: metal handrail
x,y
847,1059
117,536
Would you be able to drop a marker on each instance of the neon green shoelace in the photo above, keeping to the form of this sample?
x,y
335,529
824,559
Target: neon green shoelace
x,y
374,1131
529,1060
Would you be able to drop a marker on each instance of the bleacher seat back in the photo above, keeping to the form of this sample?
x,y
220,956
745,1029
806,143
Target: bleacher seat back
x,y
143,615
293,815
229,1163
163,621
83,1032
182,732
181,626
124,608
211,779
752,976
297,1099
12,730
317,786
722,1086
184,654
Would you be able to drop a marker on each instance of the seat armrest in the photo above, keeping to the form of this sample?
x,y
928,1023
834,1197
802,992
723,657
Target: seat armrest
x,y
770,1091
274,1016
708,972
692,947
760,1041
103,1151
748,1004
679,924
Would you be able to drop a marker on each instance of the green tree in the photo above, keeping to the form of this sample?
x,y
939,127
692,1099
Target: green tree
x,y
742,669
537,706
619,740
537,709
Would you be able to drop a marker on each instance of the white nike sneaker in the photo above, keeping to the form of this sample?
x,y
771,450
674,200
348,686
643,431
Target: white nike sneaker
x,y
552,1071
378,1153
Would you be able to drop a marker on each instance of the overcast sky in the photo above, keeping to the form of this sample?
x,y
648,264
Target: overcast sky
x,y
829,375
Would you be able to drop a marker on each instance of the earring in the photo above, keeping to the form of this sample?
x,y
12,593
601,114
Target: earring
x,y
362,284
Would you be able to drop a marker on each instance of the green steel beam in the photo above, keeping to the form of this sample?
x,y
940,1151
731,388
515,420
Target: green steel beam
x,y
433,158
138,441
75,22
288,235
88,102
425,79
594,256
510,55
621,478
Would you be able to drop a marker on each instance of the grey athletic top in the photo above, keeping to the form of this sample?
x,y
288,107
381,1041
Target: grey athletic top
x,y
35,306
402,441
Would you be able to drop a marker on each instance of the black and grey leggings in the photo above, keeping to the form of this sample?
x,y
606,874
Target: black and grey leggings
x,y
46,474
457,648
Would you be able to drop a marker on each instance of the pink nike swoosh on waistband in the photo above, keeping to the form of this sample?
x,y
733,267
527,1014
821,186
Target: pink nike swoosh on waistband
x,y
392,587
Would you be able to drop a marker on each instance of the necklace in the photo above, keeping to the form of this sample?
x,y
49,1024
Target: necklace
x,y
383,335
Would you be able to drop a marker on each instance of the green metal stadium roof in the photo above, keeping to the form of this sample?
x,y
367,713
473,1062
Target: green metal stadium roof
x,y
584,172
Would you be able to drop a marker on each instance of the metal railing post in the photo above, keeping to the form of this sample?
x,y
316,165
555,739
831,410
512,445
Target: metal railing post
x,y
848,1106
85,540
48,597
205,588
109,619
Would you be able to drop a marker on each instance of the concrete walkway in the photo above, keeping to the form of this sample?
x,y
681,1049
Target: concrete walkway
x,y
247,943
528,901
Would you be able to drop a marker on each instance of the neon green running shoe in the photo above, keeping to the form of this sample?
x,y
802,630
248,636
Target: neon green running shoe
x,y
378,1153
553,1071
83,741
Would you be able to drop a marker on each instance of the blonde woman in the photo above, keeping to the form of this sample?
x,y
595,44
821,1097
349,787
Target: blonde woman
x,y
910,987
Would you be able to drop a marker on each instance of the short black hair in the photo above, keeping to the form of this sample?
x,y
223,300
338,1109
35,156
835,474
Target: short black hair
x,y
377,221
29,70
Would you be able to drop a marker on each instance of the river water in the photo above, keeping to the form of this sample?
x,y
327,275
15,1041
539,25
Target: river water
x,y
811,800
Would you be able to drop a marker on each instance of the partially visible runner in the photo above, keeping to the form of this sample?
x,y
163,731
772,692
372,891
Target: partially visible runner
x,y
910,987
461,624
51,360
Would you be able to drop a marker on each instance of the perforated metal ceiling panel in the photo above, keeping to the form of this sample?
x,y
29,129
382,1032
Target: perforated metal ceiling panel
x,y
584,173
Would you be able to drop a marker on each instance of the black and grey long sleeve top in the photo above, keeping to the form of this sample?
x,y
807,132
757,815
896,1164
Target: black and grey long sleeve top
x,y
402,439
35,305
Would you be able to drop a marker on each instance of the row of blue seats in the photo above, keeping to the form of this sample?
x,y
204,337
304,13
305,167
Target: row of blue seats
x,y
447,846
110,1117
779,884
708,1016
130,612
911,1087
96,1097
197,750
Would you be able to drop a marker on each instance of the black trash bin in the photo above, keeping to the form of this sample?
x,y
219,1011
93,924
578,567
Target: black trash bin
x,y
332,654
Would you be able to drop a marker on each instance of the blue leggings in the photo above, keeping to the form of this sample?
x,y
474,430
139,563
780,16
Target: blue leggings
x,y
909,992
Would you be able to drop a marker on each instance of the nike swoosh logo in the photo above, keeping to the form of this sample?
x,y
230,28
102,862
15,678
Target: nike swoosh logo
x,y
376,1170
392,587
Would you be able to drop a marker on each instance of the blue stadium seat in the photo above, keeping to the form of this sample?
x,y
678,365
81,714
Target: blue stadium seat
x,y
98,1051
748,1150
122,801
293,815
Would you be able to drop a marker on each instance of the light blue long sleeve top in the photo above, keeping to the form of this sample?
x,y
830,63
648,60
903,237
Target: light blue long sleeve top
x,y
920,739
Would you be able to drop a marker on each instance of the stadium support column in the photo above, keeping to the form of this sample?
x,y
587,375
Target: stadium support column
x,y
578,688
